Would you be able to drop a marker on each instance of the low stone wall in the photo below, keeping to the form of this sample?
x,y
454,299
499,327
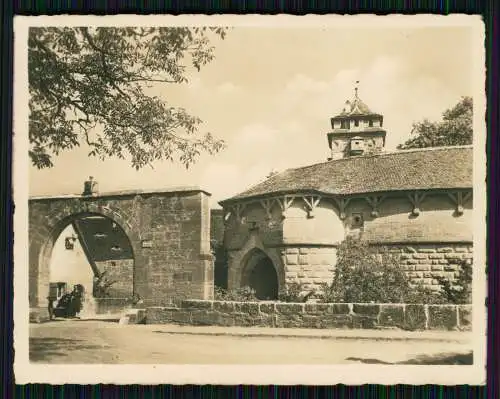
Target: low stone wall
x,y
310,315
112,305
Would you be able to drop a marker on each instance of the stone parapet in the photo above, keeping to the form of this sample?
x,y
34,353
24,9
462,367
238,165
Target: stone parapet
x,y
310,315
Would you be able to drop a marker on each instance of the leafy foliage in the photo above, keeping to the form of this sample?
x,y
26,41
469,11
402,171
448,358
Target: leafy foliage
x,y
454,129
90,85
458,291
362,276
295,293
243,294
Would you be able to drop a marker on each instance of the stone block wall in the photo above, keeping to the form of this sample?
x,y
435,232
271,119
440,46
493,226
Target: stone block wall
x,y
218,249
169,232
424,263
309,266
435,237
121,271
309,315
111,305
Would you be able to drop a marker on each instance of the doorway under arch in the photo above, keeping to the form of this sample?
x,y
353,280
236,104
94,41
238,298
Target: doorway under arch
x,y
90,249
260,275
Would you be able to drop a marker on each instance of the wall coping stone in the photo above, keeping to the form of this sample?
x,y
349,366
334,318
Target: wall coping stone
x,y
315,315
168,190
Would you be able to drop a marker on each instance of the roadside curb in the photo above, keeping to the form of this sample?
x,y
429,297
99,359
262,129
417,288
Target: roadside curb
x,y
333,336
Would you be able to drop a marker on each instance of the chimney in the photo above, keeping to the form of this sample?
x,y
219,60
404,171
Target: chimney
x,y
90,187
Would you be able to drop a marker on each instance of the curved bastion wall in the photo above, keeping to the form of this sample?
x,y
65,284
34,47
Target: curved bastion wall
x,y
432,231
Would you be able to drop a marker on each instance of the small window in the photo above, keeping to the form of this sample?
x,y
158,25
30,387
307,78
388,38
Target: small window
x,y
356,123
370,123
357,220
344,125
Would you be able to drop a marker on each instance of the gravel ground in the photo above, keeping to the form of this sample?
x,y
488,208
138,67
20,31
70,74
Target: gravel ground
x,y
95,342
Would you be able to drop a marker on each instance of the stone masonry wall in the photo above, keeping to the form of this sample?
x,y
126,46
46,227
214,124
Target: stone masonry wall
x,y
423,263
309,315
112,306
430,242
309,266
169,232
121,271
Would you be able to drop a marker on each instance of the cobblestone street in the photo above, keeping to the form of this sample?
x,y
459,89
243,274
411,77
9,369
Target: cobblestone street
x,y
94,342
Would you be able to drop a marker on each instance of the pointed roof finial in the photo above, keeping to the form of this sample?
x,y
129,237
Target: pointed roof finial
x,y
356,89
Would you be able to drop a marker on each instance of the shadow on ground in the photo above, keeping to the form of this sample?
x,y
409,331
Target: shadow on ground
x,y
42,349
438,359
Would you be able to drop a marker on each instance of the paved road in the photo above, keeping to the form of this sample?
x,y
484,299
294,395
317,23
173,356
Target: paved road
x,y
85,342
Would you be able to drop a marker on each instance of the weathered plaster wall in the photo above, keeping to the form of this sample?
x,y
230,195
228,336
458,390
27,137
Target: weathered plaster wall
x,y
437,221
324,228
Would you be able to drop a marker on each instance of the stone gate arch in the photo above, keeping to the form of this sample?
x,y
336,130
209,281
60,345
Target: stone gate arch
x,y
45,235
168,232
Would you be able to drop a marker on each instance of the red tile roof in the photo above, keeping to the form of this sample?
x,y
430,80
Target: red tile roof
x,y
422,169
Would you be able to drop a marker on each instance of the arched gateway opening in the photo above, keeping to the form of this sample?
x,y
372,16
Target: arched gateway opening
x,y
260,274
88,256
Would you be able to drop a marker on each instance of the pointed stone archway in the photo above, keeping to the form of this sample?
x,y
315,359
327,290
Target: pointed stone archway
x,y
260,274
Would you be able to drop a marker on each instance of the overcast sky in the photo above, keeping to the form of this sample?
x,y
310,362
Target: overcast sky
x,y
270,93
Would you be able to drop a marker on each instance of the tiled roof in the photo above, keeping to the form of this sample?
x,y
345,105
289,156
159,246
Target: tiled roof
x,y
422,169
103,241
356,107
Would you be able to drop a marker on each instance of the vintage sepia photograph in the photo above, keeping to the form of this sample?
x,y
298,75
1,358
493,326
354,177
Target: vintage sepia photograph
x,y
250,199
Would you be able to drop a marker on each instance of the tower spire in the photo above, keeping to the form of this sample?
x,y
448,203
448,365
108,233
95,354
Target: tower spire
x,y
356,89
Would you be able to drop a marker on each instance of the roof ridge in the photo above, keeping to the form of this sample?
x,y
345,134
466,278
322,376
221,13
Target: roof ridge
x,y
385,153
437,148
428,168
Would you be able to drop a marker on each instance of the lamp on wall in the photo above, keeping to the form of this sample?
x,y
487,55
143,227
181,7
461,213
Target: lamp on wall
x,y
69,242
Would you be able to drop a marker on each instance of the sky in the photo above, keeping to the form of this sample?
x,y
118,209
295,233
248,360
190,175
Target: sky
x,y
270,93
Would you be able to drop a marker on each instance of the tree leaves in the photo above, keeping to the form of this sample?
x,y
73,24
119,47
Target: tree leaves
x,y
454,129
88,84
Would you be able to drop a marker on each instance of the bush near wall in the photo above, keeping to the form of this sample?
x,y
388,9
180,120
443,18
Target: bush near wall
x,y
362,276
314,315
